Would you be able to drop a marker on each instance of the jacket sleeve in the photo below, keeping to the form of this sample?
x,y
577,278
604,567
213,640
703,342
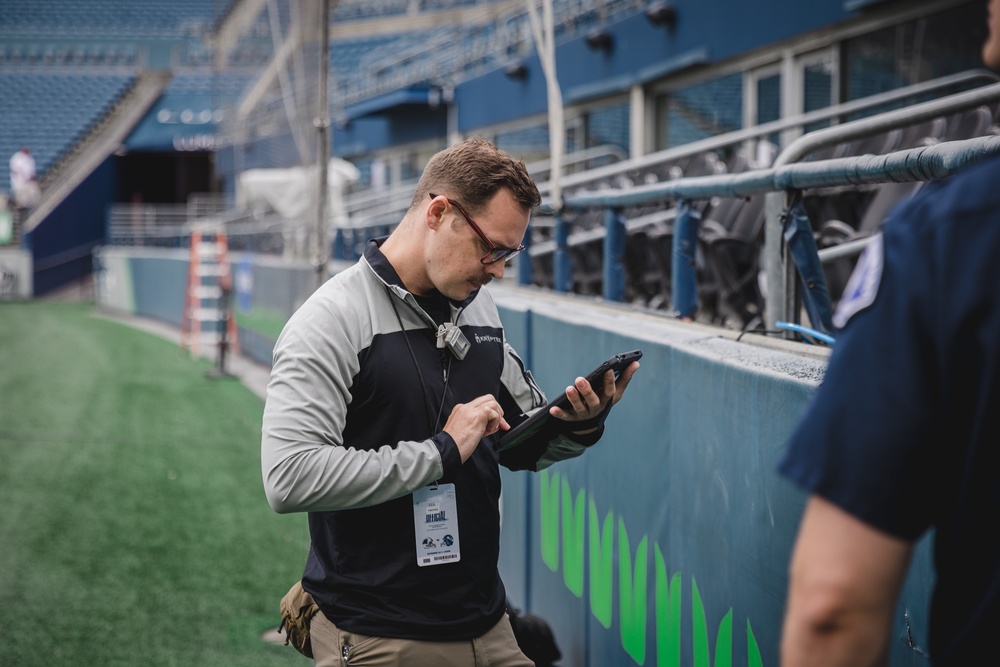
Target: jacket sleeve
x,y
522,397
305,463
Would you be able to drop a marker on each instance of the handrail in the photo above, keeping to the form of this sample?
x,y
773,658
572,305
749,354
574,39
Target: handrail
x,y
65,256
757,131
926,163
776,267
915,164
910,115
589,235
397,198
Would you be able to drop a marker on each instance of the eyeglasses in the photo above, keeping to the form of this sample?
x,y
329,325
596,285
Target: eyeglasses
x,y
495,253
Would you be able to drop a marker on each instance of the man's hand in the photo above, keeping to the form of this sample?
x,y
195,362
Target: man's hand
x,y
585,403
470,422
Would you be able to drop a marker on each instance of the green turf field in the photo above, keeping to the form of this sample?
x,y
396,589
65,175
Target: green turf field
x,y
133,524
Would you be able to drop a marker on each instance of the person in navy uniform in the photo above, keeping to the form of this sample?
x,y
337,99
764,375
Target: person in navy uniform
x,y
903,435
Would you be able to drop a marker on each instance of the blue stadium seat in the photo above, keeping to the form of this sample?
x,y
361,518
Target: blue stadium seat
x,y
149,17
968,125
29,117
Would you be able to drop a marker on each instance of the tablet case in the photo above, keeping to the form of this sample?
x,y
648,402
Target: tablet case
x,y
541,418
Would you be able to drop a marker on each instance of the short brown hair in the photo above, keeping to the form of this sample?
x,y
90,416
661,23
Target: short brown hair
x,y
472,172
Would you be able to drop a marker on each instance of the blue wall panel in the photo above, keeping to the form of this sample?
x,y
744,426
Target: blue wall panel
x,y
400,126
159,288
361,135
721,29
62,243
518,515
685,470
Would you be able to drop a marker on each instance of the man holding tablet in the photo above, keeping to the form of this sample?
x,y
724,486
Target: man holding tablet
x,y
388,391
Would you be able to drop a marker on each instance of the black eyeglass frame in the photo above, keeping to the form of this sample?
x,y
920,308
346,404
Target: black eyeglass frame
x,y
496,253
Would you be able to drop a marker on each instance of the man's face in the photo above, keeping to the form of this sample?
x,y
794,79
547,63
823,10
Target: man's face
x,y
991,49
454,253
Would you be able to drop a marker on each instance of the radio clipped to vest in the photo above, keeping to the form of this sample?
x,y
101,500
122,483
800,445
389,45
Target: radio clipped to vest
x,y
451,337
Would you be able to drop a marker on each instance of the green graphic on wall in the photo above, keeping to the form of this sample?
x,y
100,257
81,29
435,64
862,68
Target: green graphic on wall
x,y
564,542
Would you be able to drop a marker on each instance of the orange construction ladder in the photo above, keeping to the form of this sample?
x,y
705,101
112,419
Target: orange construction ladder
x,y
208,312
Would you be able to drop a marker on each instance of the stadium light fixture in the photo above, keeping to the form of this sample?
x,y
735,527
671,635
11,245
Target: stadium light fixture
x,y
662,13
600,39
516,70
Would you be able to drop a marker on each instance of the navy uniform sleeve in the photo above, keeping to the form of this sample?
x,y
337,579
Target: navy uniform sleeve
x,y
866,442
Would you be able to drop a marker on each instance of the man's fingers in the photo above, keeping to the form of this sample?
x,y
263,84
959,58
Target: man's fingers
x,y
494,415
624,379
609,383
573,395
589,397
470,422
584,402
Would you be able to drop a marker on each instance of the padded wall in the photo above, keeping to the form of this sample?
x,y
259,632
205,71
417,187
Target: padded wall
x,y
679,494
668,542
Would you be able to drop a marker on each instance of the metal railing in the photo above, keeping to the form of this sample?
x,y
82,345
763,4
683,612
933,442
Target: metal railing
x,y
780,278
833,114
594,188
171,226
372,212
916,164
378,208
370,208
779,271
166,226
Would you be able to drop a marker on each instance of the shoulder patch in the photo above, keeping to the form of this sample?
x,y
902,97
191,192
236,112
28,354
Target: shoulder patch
x,y
862,288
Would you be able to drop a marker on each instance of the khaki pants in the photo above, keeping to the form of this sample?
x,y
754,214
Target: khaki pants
x,y
496,648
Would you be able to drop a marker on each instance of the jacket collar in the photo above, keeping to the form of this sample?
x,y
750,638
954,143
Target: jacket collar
x,y
384,270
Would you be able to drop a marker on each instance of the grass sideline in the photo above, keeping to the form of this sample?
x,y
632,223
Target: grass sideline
x,y
134,528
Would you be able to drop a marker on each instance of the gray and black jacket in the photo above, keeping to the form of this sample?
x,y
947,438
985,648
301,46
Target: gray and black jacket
x,y
352,426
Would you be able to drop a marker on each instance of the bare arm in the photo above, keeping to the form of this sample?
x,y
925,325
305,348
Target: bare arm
x,y
844,583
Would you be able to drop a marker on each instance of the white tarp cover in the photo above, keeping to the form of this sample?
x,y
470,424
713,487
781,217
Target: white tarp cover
x,y
290,192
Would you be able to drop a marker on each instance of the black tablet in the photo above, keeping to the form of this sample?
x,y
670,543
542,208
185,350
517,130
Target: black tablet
x,y
537,420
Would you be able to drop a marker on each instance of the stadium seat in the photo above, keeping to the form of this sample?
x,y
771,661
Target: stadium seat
x,y
731,238
29,118
869,207
969,124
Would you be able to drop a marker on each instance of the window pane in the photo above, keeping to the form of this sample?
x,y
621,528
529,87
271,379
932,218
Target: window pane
x,y
528,144
769,102
409,170
700,111
609,125
768,99
924,49
817,90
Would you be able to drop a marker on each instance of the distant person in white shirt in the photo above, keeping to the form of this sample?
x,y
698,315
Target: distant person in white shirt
x,y
23,179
